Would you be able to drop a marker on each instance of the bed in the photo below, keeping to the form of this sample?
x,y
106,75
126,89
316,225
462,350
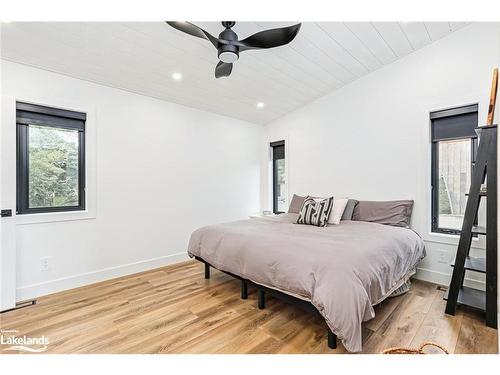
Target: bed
x,y
342,270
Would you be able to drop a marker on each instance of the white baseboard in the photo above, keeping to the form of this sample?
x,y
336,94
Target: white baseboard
x,y
443,278
52,286
47,287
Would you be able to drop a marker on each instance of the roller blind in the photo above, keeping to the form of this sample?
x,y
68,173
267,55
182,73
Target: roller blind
x,y
31,114
454,123
278,150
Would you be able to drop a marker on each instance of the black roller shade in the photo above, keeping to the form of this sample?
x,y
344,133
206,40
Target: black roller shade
x,y
278,150
31,114
454,123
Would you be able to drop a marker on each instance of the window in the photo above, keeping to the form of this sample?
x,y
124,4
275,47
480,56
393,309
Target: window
x,y
454,146
279,180
50,159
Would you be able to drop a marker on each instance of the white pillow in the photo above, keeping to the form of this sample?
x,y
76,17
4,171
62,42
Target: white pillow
x,y
339,205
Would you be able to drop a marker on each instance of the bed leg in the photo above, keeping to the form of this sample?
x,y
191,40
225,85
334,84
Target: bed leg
x,y
332,339
244,289
207,271
262,299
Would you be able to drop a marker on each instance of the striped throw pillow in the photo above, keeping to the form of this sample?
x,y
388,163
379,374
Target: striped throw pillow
x,y
315,212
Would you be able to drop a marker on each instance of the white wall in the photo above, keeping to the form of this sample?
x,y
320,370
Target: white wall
x,y
160,170
370,140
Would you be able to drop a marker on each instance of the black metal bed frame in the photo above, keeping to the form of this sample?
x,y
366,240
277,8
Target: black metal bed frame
x,y
261,293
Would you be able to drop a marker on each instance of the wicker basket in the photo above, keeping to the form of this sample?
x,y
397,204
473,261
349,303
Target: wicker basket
x,y
419,350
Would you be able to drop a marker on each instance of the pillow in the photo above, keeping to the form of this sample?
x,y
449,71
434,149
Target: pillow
x,y
296,204
339,205
315,212
396,213
349,209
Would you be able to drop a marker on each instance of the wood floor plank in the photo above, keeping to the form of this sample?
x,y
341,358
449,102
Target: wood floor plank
x,y
439,327
475,337
175,310
382,311
402,324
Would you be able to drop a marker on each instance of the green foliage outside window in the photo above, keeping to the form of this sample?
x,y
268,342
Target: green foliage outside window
x,y
53,167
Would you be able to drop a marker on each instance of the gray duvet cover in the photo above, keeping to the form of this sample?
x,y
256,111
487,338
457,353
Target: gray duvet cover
x,y
343,270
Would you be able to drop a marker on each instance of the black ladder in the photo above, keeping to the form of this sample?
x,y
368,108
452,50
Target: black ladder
x,y
486,164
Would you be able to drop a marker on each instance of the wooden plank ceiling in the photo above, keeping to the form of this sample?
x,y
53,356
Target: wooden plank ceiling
x,y
142,56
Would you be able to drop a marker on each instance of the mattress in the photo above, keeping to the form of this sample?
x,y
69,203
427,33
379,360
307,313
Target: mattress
x,y
343,270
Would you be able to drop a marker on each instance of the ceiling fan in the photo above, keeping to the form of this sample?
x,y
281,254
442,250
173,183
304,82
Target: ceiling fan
x,y
228,46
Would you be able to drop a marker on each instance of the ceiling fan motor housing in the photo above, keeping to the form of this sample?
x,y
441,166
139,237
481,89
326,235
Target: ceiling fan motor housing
x,y
228,53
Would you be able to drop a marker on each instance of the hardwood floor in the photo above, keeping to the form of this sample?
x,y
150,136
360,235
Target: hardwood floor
x,y
175,310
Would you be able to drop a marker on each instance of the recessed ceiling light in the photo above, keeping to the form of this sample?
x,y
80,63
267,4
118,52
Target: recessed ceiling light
x,y
260,105
177,76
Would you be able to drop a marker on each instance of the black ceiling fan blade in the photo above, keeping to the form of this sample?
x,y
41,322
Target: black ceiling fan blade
x,y
194,30
269,38
223,69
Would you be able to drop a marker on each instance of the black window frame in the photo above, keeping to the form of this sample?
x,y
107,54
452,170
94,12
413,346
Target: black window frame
x,y
461,131
31,114
278,153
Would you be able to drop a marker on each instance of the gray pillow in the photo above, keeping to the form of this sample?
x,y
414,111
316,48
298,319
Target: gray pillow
x,y
349,209
396,213
296,204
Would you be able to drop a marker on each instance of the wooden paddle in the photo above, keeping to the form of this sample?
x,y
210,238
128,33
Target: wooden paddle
x,y
493,98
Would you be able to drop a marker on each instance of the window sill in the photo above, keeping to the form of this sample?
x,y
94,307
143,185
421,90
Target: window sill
x,y
451,239
53,217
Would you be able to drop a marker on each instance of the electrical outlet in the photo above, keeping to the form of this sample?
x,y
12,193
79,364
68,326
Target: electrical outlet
x,y
443,257
45,263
